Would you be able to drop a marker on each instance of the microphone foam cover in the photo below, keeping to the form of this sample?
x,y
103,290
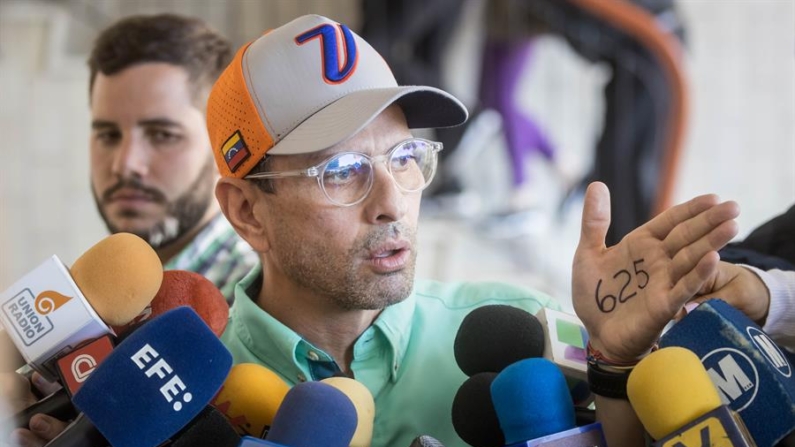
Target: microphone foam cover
x,y
474,418
185,288
209,429
752,374
668,389
532,400
118,276
314,414
154,382
365,408
250,397
494,336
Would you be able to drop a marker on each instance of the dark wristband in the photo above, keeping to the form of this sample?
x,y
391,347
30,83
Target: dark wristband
x,y
607,383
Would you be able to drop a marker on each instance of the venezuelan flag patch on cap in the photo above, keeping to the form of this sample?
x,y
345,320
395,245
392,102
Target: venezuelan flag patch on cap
x,y
235,151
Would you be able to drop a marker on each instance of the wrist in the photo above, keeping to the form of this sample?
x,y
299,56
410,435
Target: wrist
x,y
597,354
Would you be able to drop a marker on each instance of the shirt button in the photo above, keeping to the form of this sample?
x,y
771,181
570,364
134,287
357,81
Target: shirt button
x,y
301,377
313,356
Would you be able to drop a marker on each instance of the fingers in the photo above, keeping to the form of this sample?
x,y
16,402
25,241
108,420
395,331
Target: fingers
x,y
43,385
15,390
687,258
46,427
689,284
43,429
595,216
24,438
666,221
695,228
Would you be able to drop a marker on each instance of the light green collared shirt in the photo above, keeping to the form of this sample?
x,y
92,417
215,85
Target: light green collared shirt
x,y
405,358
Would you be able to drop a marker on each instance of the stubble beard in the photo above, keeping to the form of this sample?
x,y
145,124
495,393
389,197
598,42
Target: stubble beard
x,y
339,276
181,215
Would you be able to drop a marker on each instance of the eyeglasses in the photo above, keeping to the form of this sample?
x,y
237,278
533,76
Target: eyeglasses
x,y
346,178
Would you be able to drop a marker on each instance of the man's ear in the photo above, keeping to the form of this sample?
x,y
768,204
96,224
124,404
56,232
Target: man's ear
x,y
237,199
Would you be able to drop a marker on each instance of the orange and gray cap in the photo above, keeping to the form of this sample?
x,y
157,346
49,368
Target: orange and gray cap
x,y
306,86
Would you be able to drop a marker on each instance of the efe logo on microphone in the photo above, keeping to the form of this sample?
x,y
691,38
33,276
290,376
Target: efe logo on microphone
x,y
148,357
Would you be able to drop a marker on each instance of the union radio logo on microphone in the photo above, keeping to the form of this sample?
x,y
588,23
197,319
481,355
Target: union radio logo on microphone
x,y
29,314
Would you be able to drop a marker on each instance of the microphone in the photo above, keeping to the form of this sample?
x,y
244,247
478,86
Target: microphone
x,y
534,408
363,401
185,288
249,441
678,405
494,336
474,418
155,381
209,429
250,397
752,375
313,414
49,311
178,287
426,441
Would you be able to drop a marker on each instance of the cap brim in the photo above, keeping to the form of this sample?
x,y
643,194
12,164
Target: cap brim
x,y
424,107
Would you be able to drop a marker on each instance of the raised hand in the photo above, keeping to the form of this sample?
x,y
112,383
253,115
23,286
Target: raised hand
x,y
626,294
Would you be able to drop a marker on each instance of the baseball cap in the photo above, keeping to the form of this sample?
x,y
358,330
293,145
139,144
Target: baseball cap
x,y
306,86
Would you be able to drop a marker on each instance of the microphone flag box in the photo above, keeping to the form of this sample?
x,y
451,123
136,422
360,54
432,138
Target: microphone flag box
x,y
45,314
590,435
719,427
752,374
566,342
75,368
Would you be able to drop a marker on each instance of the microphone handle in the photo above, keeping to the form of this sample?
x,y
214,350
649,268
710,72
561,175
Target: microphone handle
x,y
80,433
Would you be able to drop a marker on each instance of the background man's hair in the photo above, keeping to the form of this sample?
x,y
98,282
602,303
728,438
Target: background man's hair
x,y
186,42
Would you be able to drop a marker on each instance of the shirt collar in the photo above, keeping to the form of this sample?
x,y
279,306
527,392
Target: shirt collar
x,y
282,348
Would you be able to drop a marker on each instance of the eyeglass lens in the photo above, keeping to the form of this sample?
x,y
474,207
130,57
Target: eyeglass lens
x,y
347,178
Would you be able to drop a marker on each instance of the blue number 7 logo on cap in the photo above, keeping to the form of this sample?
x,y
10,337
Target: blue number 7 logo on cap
x,y
333,71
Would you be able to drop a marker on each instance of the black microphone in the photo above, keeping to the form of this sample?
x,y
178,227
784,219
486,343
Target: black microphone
x,y
474,418
494,336
210,428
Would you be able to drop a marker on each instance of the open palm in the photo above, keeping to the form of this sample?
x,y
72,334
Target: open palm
x,y
626,294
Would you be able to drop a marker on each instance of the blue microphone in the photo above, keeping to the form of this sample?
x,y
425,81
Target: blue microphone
x,y
534,407
250,441
156,381
314,414
752,374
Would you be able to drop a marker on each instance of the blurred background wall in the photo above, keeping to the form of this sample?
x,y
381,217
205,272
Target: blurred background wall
x,y
740,140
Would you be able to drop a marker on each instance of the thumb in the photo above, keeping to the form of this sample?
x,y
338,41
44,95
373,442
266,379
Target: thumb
x,y
595,216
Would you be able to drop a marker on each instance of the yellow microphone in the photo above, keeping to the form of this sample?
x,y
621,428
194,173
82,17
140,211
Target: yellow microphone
x,y
365,408
250,397
119,276
678,404
52,309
